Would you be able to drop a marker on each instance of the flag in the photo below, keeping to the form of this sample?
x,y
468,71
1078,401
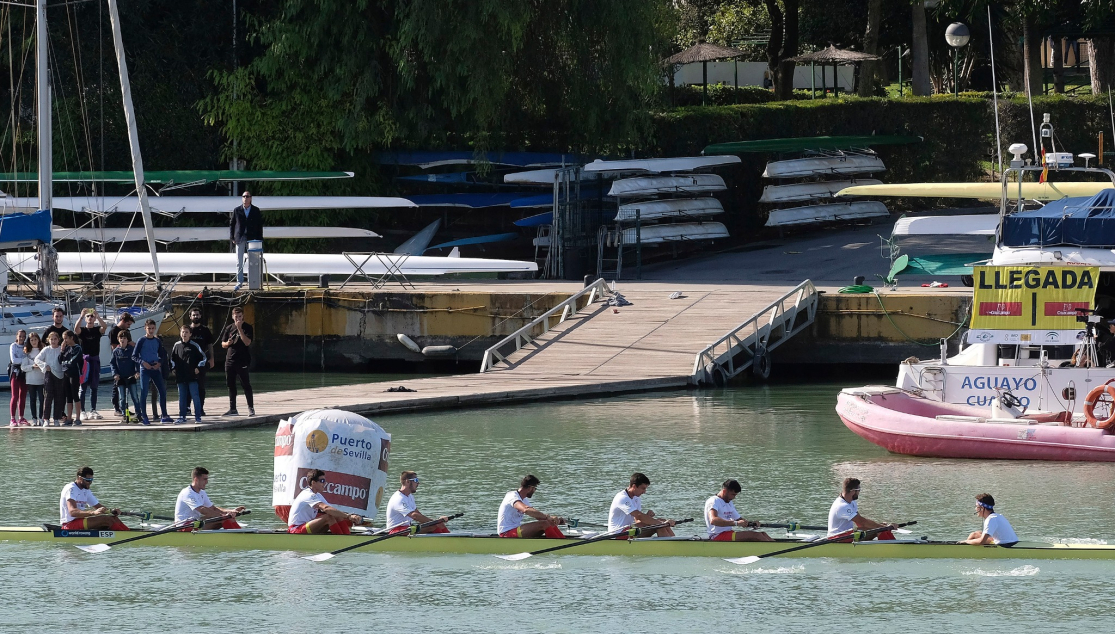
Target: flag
x,y
1044,168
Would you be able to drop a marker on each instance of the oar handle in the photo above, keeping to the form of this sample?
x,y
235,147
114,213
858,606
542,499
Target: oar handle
x,y
145,516
209,520
838,538
415,528
791,526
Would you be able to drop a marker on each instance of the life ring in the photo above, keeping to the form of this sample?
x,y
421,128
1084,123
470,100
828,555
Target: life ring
x,y
1090,406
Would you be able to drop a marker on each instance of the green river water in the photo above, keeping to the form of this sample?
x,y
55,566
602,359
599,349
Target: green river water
x,y
783,442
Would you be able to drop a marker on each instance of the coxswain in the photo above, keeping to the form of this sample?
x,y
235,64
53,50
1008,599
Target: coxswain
x,y
722,518
402,511
311,514
193,504
627,511
844,515
79,509
516,504
996,528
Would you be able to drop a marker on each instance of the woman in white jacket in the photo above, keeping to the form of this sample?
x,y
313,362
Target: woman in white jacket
x,y
55,387
34,377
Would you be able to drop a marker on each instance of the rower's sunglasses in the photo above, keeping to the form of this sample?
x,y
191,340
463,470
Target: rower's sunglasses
x,y
86,479
321,480
414,480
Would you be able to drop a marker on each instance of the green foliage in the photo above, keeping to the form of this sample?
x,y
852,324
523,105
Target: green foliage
x,y
335,79
718,95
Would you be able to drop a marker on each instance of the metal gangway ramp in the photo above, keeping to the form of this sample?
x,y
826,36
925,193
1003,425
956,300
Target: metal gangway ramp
x,y
749,344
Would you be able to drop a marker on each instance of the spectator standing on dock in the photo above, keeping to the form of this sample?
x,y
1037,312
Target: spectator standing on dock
x,y
89,330
246,225
59,315
236,339
54,403
34,377
72,360
125,377
124,321
200,334
151,356
17,380
187,359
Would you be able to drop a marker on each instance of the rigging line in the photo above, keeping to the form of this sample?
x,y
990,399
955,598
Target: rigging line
x,y
79,74
995,91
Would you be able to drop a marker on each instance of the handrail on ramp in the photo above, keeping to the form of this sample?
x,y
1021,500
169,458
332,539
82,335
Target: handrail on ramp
x,y
523,336
751,342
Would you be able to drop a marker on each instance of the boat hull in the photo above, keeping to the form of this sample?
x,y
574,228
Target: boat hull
x,y
906,424
491,545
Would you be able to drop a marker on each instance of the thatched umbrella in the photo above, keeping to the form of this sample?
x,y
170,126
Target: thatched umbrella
x,y
704,52
836,57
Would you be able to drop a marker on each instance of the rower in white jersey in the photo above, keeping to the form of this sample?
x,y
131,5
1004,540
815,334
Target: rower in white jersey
x,y
996,528
193,504
516,504
79,509
402,510
627,511
844,514
311,513
722,518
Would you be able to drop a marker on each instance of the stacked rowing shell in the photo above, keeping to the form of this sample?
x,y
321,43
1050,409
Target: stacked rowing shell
x,y
819,191
669,219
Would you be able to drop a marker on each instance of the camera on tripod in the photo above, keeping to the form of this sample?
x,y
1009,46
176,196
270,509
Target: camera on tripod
x,y
1089,318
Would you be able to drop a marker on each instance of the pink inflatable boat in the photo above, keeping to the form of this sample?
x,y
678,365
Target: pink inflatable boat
x,y
904,423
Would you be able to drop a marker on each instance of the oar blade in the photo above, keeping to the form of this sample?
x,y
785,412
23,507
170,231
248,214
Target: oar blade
x,y
515,557
320,557
94,548
743,561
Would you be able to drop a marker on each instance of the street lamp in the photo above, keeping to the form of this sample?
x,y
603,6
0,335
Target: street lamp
x,y
957,36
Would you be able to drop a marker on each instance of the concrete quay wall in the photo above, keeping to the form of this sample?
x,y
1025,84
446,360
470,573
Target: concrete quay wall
x,y
323,330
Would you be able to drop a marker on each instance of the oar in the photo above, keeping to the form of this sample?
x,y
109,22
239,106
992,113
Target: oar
x,y
792,526
632,531
100,548
145,516
413,529
743,561
573,522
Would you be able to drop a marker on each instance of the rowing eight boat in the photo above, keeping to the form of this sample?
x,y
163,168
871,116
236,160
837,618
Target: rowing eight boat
x,y
485,544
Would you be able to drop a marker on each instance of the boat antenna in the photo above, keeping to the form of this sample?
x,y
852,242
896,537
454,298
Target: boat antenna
x,y
995,91
1030,99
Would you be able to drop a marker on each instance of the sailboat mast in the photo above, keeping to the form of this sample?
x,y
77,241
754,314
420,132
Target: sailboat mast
x,y
133,135
46,273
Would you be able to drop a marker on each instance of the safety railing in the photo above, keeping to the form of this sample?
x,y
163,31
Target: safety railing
x,y
751,342
525,335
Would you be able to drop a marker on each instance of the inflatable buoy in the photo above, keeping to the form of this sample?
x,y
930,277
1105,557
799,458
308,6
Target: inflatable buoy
x,y
439,351
1093,399
409,343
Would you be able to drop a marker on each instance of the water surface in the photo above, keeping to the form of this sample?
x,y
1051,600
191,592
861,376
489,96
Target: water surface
x,y
783,442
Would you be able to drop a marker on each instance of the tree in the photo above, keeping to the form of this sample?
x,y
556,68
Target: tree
x,y
783,44
868,70
919,52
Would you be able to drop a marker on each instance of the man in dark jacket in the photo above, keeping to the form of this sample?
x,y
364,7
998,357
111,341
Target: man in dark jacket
x,y
246,224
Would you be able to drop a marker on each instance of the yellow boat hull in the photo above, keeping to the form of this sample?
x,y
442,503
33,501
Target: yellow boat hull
x,y
491,545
